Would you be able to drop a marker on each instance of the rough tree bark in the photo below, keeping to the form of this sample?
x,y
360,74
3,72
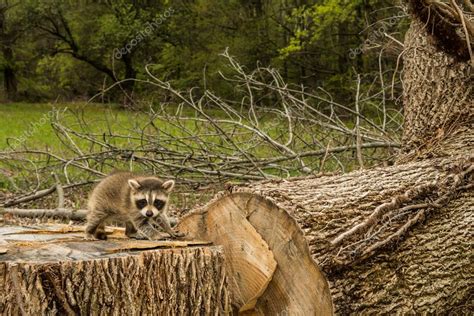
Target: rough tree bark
x,y
390,240
56,272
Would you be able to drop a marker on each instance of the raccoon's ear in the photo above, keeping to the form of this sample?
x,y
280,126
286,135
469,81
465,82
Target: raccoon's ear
x,y
134,184
168,185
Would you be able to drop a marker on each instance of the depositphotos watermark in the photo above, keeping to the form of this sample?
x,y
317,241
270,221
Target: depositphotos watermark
x,y
378,33
32,129
150,27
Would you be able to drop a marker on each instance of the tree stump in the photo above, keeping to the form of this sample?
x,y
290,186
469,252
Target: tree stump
x,y
51,270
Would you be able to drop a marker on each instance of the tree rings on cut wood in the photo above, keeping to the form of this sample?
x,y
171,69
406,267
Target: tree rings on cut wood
x,y
248,257
296,287
59,272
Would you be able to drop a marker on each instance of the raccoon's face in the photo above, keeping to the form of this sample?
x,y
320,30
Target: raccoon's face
x,y
149,196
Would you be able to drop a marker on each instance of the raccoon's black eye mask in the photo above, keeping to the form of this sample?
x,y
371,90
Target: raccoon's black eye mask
x,y
141,203
159,204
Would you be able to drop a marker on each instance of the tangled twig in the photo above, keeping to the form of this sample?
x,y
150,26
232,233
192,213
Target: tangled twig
x,y
270,130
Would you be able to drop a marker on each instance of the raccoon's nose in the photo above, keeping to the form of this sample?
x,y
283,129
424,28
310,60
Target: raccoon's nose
x,y
149,213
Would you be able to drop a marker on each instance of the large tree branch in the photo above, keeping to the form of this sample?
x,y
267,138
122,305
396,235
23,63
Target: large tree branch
x,y
63,33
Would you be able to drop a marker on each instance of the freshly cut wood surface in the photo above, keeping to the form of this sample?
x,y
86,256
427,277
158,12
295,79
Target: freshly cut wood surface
x,y
61,273
297,286
249,261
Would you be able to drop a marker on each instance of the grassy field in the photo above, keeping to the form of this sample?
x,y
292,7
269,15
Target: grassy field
x,y
29,126
105,127
29,123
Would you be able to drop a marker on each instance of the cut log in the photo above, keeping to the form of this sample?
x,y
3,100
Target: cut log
x,y
297,287
248,255
429,271
60,273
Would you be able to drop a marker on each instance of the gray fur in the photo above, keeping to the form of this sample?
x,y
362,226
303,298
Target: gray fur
x,y
114,198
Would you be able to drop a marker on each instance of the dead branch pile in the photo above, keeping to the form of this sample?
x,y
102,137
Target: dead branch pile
x,y
270,130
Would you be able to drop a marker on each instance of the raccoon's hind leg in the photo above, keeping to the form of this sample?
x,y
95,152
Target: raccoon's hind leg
x,y
95,228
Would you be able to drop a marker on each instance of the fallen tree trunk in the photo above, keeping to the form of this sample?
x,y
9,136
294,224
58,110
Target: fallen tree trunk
x,y
429,268
390,240
45,272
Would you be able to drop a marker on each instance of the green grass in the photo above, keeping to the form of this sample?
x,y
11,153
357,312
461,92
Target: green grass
x,y
29,124
17,119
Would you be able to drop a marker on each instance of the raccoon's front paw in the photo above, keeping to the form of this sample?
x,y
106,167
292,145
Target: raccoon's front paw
x,y
96,236
89,236
100,235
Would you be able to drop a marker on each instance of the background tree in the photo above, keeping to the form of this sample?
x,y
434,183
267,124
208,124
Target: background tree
x,y
13,25
70,49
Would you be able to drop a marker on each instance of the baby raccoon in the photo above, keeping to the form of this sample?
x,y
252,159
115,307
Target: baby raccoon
x,y
136,200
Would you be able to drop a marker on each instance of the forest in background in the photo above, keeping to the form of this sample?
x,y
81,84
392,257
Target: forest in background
x,y
72,50
227,90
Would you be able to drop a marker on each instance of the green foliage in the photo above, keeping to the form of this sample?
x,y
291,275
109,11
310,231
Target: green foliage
x,y
74,49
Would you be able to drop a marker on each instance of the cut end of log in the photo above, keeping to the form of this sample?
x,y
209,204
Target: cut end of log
x,y
61,273
255,234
